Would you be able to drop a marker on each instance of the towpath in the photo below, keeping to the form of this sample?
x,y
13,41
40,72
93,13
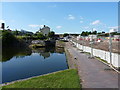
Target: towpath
x,y
93,73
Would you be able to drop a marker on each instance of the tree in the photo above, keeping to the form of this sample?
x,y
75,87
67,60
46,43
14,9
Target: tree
x,y
28,34
15,32
103,32
99,33
65,34
8,38
40,36
90,33
94,32
85,33
51,34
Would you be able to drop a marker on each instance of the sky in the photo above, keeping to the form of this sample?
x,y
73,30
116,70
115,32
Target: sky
x,y
61,17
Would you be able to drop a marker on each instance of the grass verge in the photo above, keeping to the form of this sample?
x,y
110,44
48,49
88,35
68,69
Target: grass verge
x,y
102,60
63,79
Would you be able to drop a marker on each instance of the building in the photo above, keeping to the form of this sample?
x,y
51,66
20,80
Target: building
x,y
117,37
90,37
80,37
45,30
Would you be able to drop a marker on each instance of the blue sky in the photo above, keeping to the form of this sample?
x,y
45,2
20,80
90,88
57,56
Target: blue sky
x,y
61,17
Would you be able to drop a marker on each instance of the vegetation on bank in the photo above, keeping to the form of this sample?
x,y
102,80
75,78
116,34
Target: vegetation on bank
x,y
9,40
33,36
16,38
62,79
60,43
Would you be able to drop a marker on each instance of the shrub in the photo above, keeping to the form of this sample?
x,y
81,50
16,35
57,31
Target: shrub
x,y
8,38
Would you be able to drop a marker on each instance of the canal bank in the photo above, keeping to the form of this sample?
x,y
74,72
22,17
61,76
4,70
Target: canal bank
x,y
61,79
68,81
70,58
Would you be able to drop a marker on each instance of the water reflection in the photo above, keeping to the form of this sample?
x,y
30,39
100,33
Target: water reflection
x,y
8,53
24,63
45,52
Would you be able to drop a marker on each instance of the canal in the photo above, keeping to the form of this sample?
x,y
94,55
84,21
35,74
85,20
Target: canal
x,y
24,63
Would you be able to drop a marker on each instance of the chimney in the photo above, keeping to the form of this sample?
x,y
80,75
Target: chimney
x,y
44,25
3,26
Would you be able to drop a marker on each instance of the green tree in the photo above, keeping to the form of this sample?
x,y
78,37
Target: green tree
x,y
40,36
65,34
94,32
99,33
15,32
51,34
8,38
90,32
28,34
103,32
85,33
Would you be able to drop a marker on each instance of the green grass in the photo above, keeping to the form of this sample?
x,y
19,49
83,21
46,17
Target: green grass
x,y
85,52
63,79
102,60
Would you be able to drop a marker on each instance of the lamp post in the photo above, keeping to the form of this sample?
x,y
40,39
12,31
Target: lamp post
x,y
83,43
110,44
92,44
110,48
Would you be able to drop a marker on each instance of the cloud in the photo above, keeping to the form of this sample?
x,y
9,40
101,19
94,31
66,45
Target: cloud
x,y
117,28
95,22
71,17
35,25
2,21
86,27
114,27
81,21
81,17
58,27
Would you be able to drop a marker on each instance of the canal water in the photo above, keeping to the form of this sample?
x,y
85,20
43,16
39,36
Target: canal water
x,y
24,63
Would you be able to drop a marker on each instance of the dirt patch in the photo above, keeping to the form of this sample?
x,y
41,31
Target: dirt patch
x,y
102,45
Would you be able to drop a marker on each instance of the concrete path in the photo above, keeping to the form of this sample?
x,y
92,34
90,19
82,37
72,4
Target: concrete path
x,y
94,74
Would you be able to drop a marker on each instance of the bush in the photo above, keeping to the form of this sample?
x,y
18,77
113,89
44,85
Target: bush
x,y
8,38
40,36
51,34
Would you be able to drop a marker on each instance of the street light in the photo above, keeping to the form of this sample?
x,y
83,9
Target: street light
x,y
83,43
110,44
91,43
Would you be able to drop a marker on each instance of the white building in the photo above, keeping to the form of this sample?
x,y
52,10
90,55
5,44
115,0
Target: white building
x,y
78,37
45,30
90,37
117,37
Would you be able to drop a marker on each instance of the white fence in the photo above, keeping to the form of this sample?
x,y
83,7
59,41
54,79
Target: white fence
x,y
105,55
